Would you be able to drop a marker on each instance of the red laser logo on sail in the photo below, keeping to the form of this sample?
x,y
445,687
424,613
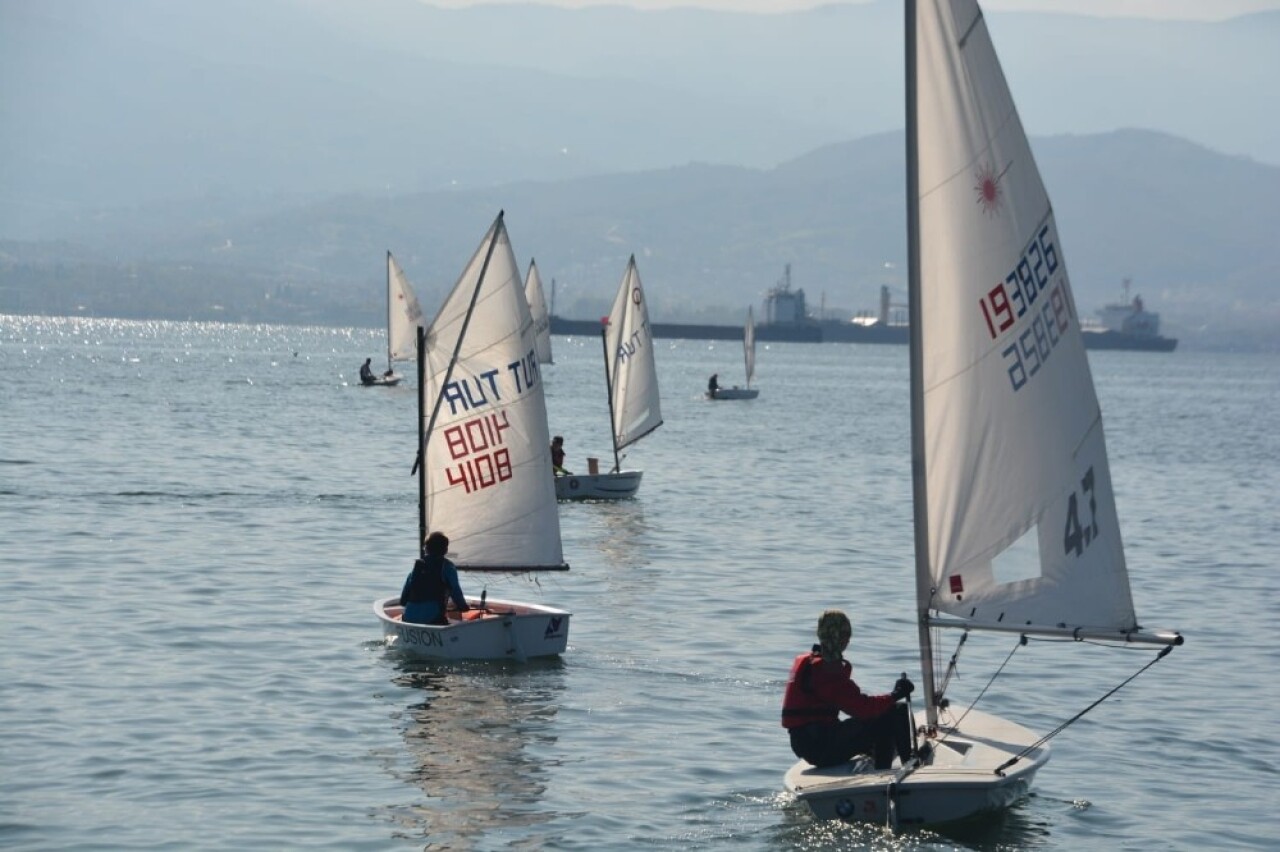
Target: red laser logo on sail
x,y
988,188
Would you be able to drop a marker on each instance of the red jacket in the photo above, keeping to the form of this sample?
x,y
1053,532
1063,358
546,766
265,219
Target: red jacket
x,y
817,692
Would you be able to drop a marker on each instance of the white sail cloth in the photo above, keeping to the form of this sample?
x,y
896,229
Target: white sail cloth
x,y
1013,432
489,483
629,360
537,300
404,315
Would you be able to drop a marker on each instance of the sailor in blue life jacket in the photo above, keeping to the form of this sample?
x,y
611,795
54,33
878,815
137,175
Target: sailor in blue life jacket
x,y
366,373
821,686
430,585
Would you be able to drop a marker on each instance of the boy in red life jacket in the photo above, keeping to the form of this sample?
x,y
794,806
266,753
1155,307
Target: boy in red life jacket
x,y
821,686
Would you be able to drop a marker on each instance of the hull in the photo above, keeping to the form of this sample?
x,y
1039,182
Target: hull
x,y
957,783
601,486
1131,342
384,381
733,393
508,630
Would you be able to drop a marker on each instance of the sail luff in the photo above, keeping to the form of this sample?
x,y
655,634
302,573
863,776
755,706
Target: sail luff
x,y
749,346
390,307
919,483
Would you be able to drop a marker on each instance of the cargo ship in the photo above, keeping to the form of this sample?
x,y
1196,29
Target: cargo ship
x,y
1127,325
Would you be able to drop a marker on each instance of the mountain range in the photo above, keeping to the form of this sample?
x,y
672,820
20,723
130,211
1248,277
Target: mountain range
x,y
253,159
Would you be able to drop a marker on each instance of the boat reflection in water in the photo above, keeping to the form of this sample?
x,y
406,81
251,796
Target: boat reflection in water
x,y
477,738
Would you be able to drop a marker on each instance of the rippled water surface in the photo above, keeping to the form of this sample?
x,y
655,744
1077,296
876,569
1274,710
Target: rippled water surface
x,y
196,519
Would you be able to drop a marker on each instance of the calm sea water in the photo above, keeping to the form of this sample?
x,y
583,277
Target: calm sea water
x,y
196,519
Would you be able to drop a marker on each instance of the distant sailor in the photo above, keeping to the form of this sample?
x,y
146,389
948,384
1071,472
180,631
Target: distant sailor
x,y
430,585
713,384
366,373
557,456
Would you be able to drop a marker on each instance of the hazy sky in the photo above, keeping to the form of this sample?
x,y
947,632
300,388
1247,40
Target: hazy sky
x,y
1208,10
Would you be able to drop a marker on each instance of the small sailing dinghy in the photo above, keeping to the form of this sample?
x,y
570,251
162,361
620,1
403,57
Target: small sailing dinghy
x,y
538,310
749,357
1008,456
631,384
482,422
404,316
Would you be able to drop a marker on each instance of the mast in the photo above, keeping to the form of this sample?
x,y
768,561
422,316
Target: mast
x,y
920,506
389,368
422,442
608,384
498,227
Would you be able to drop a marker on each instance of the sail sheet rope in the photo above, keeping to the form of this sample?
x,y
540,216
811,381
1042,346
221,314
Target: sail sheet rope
x,y
1022,641
1035,745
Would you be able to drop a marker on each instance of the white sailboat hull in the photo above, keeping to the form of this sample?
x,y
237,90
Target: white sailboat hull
x,y
508,630
601,486
733,393
959,781
386,381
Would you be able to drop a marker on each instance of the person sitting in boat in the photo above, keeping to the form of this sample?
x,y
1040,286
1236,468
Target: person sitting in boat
x,y
557,456
366,372
821,686
713,384
430,585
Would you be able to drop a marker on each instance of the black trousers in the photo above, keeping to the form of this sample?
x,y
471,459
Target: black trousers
x,y
880,738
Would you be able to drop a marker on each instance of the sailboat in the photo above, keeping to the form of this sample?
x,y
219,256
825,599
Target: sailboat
x,y
749,357
538,309
1008,455
631,385
482,424
404,315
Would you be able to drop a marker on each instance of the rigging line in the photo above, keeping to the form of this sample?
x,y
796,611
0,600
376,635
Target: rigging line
x,y
1022,640
952,667
1035,745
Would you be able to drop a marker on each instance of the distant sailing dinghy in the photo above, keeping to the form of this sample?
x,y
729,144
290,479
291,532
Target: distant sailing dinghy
x,y
482,425
538,310
631,385
404,316
749,356
1008,456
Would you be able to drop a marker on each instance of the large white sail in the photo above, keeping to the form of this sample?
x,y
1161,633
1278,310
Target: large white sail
x,y
629,353
489,485
1022,525
749,345
404,315
538,309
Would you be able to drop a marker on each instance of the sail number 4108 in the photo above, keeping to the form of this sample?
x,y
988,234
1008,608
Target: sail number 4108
x,y
1076,537
477,447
